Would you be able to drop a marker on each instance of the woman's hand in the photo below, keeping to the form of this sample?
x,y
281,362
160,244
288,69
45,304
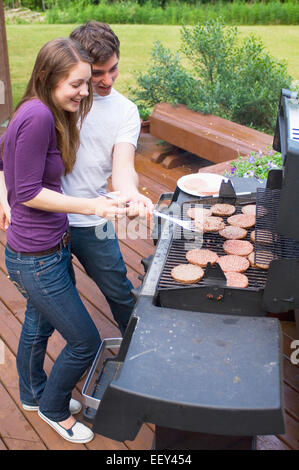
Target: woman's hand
x,y
111,208
4,218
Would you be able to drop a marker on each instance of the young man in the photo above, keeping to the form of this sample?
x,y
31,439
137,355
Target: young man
x,y
108,139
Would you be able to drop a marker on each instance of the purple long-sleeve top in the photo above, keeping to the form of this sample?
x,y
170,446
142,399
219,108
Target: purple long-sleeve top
x,y
31,162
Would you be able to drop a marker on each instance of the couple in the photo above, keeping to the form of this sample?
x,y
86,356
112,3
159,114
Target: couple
x,y
40,153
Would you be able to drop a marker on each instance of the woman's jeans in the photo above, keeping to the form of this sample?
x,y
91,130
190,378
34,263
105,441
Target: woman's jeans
x,y
53,302
97,249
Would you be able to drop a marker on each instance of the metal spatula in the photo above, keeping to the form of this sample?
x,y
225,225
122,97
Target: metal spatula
x,y
186,224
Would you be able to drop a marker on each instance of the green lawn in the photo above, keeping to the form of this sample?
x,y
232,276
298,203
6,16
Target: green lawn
x,y
24,41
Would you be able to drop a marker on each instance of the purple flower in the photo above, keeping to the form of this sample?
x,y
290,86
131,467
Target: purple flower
x,y
251,159
233,169
260,153
249,174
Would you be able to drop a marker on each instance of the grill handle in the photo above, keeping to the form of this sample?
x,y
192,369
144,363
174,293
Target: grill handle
x,y
107,343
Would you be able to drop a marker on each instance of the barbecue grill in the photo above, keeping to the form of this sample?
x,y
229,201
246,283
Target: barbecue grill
x,y
203,361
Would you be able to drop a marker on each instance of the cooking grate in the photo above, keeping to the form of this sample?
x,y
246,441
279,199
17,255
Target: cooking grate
x,y
268,245
212,241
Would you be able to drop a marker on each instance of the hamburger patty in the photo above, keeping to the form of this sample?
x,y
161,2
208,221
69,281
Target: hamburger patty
x,y
187,273
223,209
234,263
250,209
264,237
201,186
198,213
237,247
242,220
232,232
264,259
211,224
201,256
234,279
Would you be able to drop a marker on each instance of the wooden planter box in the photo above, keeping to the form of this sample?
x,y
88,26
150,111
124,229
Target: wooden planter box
x,y
145,127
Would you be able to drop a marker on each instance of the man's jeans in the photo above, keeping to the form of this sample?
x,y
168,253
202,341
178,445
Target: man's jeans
x,y
98,251
53,302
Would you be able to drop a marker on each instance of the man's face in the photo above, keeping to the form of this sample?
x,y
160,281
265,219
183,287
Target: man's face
x,y
104,75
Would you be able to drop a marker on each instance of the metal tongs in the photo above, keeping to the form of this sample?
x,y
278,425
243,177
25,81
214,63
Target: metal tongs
x,y
111,196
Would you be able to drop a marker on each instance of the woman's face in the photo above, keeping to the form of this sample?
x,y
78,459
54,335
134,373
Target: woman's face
x,y
72,89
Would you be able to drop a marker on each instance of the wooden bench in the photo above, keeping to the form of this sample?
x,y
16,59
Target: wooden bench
x,y
207,136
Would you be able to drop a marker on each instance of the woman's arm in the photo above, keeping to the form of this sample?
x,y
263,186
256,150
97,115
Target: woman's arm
x,y
4,206
52,201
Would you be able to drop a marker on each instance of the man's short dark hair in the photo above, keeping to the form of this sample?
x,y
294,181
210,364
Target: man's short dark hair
x,y
98,39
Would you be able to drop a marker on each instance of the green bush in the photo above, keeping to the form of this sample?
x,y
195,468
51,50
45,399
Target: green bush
x,y
235,80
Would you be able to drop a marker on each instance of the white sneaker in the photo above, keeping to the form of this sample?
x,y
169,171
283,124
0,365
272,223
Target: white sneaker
x,y
78,433
75,407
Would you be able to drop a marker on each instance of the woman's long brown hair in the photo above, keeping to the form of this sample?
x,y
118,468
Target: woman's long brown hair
x,y
54,63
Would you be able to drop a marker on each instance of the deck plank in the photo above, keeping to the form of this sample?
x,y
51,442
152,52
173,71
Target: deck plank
x,y
13,425
2,445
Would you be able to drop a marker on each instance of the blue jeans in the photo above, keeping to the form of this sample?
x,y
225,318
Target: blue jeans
x,y
102,260
53,302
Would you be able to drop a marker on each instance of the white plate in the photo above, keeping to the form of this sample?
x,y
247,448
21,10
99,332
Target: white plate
x,y
201,184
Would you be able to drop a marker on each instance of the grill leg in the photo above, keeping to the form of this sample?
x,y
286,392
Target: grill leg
x,y
174,439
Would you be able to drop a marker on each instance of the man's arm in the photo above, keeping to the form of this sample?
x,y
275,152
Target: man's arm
x,y
125,180
4,206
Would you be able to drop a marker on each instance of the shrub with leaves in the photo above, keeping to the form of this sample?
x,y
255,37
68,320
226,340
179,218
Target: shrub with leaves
x,y
235,80
165,80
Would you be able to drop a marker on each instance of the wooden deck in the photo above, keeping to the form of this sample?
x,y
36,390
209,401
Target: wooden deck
x,y
25,430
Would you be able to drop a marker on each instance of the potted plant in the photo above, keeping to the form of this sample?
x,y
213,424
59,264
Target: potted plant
x,y
256,165
144,113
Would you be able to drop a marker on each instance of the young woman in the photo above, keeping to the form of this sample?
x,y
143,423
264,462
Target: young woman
x,y
38,147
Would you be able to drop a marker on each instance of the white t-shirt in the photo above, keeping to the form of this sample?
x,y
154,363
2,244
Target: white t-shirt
x,y
111,120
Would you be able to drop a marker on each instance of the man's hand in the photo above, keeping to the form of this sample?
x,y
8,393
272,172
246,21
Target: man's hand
x,y
139,205
111,208
4,219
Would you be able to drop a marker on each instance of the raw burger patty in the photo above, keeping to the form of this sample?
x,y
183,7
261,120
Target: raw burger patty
x,y
242,220
237,247
264,259
200,186
223,209
198,212
232,232
234,279
234,263
211,224
264,237
249,210
187,273
201,256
